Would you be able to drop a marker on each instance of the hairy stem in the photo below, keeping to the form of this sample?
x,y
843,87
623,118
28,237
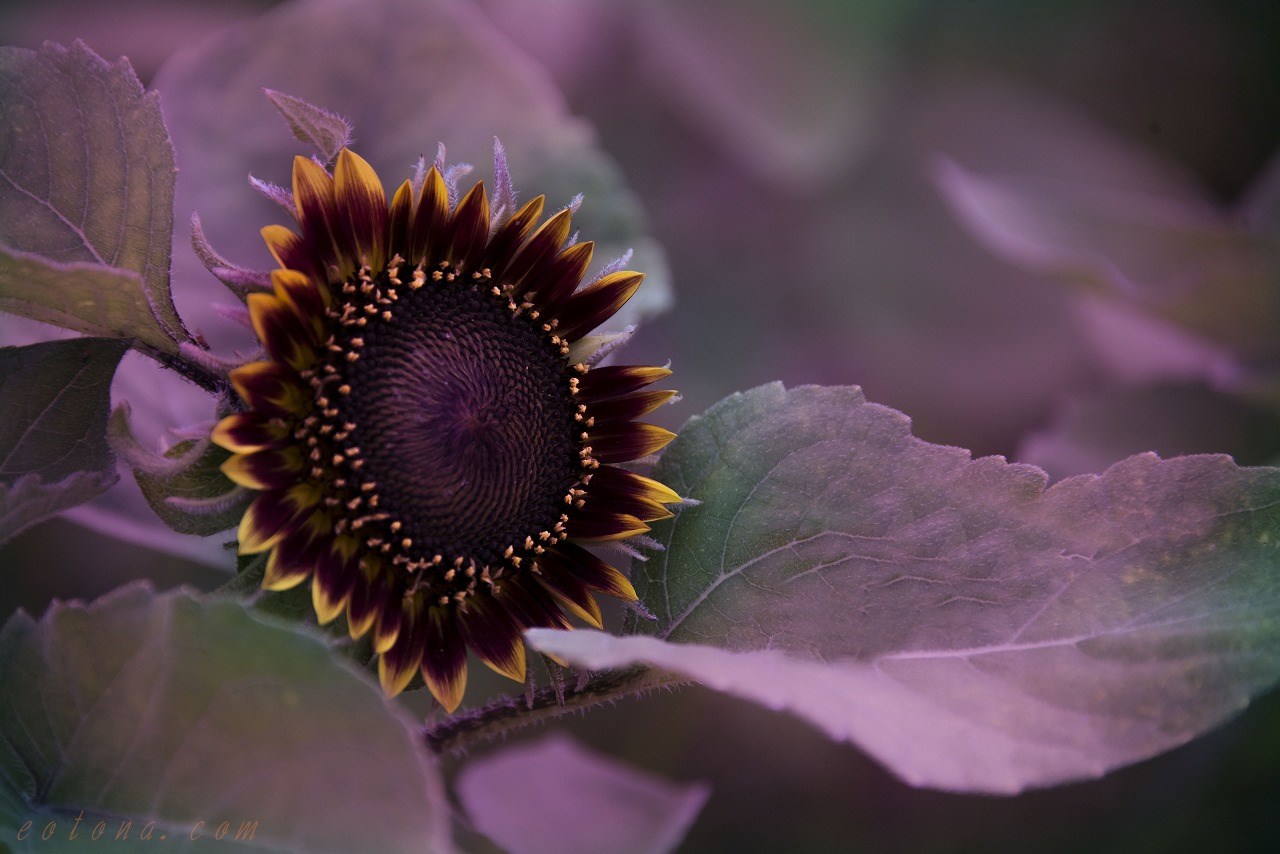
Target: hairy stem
x,y
197,374
511,713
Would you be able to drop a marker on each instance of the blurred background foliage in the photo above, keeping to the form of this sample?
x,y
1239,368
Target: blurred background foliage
x,y
783,154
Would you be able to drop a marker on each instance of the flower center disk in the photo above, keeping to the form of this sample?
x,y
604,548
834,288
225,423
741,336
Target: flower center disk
x,y
463,418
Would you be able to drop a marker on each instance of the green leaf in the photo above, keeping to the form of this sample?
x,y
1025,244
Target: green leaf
x,y
293,604
185,486
327,132
449,77
53,447
173,709
969,628
29,500
86,197
198,499
83,297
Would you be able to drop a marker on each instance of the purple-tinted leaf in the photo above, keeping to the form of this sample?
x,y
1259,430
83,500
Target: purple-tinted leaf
x,y
1091,432
557,797
53,418
1176,257
56,397
149,707
446,75
79,296
161,400
86,196
326,131
185,486
30,499
1136,347
124,513
1050,635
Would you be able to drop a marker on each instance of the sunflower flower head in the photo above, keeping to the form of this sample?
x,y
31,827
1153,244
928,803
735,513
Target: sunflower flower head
x,y
429,444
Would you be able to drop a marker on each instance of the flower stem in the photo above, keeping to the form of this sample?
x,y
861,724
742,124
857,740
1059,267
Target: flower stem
x,y
507,714
197,374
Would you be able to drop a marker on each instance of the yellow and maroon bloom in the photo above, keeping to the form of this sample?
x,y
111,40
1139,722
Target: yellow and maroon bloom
x,y
429,449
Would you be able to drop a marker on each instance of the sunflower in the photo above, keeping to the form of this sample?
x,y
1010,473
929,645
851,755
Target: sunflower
x,y
429,444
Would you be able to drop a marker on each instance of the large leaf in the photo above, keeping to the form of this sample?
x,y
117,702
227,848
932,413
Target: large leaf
x,y
176,710
444,76
558,798
86,196
53,445
971,629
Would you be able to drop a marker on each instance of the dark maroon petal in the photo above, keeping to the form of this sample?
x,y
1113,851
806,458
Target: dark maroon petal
x,y
444,658
413,637
588,308
400,219
272,514
429,220
494,636
627,407
566,587
244,432
530,606
336,574
602,526
526,268
562,277
337,571
313,195
295,252
293,558
572,559
397,665
280,331
511,236
274,468
617,380
469,229
362,607
275,510
644,509
305,297
361,206
618,442
610,481
390,622
270,388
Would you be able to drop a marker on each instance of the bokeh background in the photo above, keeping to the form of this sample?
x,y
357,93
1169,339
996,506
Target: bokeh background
x,y
787,156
